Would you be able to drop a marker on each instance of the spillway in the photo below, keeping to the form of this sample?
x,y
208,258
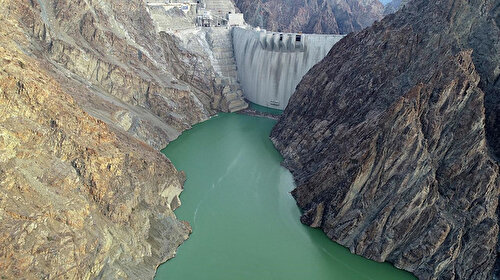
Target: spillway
x,y
271,64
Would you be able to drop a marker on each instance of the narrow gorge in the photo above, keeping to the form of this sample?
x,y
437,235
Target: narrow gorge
x,y
267,144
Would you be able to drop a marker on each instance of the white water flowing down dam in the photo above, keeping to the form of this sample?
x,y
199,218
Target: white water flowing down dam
x,y
271,64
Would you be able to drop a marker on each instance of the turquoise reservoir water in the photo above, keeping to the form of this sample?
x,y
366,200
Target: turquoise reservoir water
x,y
245,222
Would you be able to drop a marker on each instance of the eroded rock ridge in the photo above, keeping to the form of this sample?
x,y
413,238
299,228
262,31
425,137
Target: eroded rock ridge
x,y
329,17
89,91
392,140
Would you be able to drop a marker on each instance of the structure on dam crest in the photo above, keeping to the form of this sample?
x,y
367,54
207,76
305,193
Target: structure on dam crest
x,y
263,67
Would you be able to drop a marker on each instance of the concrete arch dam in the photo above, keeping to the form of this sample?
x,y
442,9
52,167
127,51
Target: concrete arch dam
x,y
271,64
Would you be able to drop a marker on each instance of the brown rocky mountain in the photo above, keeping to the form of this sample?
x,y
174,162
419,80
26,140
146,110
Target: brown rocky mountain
x,y
78,198
392,140
317,16
89,91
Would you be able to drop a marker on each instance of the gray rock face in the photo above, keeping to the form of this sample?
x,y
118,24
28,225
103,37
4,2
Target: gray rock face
x,y
393,6
391,140
269,72
331,17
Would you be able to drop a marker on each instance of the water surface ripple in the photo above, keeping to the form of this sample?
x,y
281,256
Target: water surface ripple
x,y
245,222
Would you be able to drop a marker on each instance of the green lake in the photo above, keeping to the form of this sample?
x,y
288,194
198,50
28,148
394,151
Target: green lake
x,y
245,222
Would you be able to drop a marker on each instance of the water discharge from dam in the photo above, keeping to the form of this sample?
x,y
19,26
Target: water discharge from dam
x,y
270,65
245,223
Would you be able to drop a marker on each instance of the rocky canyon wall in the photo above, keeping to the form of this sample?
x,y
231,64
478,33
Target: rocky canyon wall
x,y
393,6
318,16
78,199
129,74
393,140
89,91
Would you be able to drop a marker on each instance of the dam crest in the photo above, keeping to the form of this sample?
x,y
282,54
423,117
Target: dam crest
x,y
284,42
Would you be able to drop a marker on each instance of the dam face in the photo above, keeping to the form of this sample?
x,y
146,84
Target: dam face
x,y
271,64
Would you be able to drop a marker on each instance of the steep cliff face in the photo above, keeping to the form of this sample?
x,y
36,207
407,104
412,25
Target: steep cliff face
x,y
391,140
126,72
393,6
319,16
78,200
87,89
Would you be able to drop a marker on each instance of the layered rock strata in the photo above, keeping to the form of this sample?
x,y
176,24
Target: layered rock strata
x,y
393,140
129,75
89,91
394,6
329,17
79,199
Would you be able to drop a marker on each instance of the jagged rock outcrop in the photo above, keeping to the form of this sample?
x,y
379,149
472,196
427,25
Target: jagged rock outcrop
x,y
331,17
393,6
126,71
392,140
79,200
89,91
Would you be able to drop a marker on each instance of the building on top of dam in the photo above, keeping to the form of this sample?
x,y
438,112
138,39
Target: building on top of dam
x,y
264,67
203,13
